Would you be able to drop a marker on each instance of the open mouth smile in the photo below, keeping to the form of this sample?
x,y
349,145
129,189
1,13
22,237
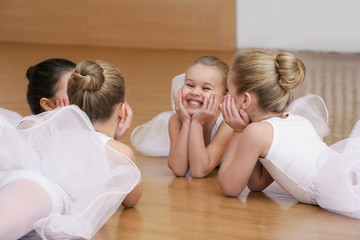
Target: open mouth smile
x,y
194,103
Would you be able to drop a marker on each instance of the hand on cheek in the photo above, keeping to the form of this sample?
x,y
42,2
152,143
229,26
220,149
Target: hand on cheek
x,y
180,108
236,119
62,102
209,109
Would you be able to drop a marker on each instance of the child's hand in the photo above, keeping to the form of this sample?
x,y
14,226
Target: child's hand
x,y
237,120
62,102
124,124
180,108
209,109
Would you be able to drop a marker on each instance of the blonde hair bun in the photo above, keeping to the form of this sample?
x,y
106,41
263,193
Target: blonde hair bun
x,y
291,71
88,76
96,87
272,76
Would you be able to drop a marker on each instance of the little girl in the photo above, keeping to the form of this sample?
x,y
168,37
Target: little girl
x,y
62,173
270,144
198,136
47,88
194,136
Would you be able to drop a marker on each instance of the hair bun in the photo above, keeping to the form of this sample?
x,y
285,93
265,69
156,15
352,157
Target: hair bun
x,y
291,70
30,73
89,76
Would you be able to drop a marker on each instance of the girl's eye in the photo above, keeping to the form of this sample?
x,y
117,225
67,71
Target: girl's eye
x,y
190,85
206,88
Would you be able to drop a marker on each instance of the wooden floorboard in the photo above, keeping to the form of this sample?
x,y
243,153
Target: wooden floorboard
x,y
186,208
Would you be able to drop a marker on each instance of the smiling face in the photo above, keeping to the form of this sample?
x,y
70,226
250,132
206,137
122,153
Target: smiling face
x,y
201,81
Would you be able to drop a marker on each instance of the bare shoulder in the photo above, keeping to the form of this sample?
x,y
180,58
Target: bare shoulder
x,y
122,148
261,134
258,127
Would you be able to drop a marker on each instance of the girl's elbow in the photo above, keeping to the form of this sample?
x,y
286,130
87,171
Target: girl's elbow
x,y
228,191
133,197
198,173
227,188
131,203
177,171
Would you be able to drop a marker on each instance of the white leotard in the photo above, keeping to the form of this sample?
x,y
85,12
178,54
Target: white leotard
x,y
311,171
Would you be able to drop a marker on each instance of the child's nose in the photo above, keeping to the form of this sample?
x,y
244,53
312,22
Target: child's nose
x,y
195,91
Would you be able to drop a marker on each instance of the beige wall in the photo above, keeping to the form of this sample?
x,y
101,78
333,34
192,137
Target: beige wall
x,y
173,24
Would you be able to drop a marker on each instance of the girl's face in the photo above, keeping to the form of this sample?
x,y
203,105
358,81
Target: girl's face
x,y
200,82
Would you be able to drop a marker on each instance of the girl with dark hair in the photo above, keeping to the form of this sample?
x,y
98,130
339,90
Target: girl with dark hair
x,y
62,172
48,84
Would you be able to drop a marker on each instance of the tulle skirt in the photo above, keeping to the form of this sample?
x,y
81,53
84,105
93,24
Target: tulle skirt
x,y
338,169
63,147
152,138
9,118
338,182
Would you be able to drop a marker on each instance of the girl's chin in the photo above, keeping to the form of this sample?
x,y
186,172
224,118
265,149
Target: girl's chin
x,y
192,111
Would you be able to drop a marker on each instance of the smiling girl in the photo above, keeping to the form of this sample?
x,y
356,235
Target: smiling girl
x,y
198,134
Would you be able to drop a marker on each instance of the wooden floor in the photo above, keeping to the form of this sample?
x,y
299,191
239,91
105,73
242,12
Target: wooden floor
x,y
186,208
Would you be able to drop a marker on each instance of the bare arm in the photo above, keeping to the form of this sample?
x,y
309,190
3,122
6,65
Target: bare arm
x,y
179,127
240,161
203,159
178,155
260,178
249,141
134,196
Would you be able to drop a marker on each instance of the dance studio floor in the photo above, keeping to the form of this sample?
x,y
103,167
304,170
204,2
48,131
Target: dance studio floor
x,y
187,208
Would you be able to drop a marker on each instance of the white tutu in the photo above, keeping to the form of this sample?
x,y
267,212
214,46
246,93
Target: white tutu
x,y
9,118
313,108
62,145
152,138
339,176
338,179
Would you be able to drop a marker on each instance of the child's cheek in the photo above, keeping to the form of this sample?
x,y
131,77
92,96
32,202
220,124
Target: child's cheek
x,y
184,91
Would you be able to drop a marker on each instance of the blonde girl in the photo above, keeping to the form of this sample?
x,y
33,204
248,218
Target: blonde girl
x,y
268,143
198,135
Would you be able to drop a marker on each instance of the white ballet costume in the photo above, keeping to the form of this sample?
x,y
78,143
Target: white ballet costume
x,y
9,118
309,170
152,138
85,179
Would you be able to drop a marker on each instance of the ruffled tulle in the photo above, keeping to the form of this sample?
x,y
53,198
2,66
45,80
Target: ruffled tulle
x,y
63,146
9,118
152,138
338,179
339,176
313,108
